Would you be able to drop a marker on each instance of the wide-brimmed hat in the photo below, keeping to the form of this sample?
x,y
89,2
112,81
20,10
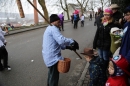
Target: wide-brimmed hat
x,y
89,52
114,6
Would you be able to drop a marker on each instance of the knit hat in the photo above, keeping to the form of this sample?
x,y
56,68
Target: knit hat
x,y
89,52
108,11
122,63
127,10
54,17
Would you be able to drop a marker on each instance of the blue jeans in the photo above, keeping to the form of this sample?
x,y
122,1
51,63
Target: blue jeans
x,y
53,76
104,54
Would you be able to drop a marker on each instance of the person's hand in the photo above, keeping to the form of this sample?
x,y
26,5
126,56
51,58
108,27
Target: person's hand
x,y
69,47
5,43
75,45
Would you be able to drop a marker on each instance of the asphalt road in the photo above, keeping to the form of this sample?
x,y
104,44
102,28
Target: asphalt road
x,y
27,46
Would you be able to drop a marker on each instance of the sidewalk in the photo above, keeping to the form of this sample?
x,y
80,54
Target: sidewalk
x,y
84,79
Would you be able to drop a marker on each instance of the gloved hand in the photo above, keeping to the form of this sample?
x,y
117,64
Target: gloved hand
x,y
69,47
75,45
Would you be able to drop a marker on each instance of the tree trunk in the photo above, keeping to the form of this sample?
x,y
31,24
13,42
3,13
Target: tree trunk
x,y
43,5
36,20
67,10
82,10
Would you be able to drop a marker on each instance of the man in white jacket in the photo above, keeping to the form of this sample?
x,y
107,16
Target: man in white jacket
x,y
82,20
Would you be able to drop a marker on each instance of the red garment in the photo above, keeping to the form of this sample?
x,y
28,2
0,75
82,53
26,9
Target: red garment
x,y
117,81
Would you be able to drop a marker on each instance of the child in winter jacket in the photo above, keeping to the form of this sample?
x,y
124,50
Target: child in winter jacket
x,y
118,70
115,39
96,72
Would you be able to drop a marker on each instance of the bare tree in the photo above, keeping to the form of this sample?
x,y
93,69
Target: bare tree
x,y
43,5
83,4
104,3
65,8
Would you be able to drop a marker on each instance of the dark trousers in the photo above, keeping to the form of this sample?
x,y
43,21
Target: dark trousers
x,y
4,56
82,23
53,76
95,23
90,19
75,24
62,26
72,21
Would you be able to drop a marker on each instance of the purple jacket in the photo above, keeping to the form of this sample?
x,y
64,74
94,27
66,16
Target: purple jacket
x,y
61,18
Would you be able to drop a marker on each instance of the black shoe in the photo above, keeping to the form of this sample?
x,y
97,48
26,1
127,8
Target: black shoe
x,y
1,69
8,67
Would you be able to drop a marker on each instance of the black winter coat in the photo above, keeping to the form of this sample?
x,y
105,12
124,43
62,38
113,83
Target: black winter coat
x,y
99,19
117,15
102,38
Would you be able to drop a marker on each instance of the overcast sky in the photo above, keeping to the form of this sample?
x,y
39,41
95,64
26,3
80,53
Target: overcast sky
x,y
11,6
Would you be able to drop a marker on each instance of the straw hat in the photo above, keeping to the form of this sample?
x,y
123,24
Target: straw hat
x,y
113,6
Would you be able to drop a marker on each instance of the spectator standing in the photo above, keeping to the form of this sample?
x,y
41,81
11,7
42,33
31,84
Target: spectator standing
x,y
90,17
82,20
99,17
53,42
61,16
116,14
125,43
95,18
72,18
76,19
102,40
3,51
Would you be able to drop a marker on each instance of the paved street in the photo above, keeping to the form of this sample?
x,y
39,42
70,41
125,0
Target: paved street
x,y
27,46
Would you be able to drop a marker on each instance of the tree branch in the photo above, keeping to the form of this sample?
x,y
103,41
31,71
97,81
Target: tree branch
x,y
79,2
62,5
106,3
84,1
86,4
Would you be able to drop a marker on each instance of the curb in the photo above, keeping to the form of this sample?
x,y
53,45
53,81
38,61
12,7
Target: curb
x,y
30,28
81,80
25,29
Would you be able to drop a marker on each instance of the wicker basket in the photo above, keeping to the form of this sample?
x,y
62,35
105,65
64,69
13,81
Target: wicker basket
x,y
64,65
